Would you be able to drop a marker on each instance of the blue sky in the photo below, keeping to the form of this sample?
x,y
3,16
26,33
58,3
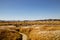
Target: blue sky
x,y
29,9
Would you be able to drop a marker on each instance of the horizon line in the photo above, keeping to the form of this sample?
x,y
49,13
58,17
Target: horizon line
x,y
27,19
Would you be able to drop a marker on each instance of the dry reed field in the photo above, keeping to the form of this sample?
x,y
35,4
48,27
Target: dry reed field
x,y
30,30
45,35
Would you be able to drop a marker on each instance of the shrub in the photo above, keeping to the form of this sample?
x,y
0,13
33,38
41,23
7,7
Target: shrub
x,y
9,35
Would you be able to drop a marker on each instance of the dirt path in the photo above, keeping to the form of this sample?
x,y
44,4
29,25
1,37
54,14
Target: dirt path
x,y
24,36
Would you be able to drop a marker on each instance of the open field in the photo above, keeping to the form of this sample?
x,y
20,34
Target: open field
x,y
30,30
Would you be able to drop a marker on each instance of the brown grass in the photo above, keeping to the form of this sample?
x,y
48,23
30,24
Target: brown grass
x,y
35,30
9,35
45,35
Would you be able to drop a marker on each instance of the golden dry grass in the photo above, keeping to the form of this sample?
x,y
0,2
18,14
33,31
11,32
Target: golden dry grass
x,y
35,30
45,35
9,35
